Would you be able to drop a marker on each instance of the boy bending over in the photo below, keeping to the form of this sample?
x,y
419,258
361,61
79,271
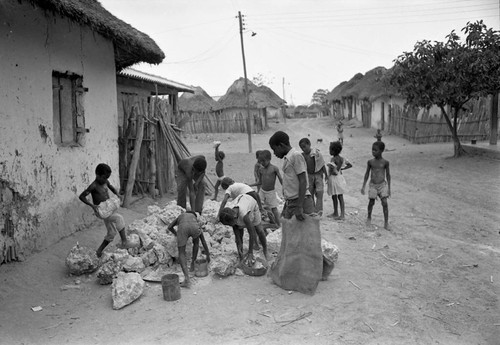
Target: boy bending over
x,y
187,226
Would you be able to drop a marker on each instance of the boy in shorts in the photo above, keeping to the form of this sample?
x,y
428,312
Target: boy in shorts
x,y
380,182
102,203
187,226
316,173
266,181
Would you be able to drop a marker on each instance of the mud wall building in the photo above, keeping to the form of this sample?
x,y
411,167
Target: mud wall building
x,y
58,117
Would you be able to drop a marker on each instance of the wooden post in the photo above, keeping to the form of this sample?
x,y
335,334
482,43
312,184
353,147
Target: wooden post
x,y
494,120
133,163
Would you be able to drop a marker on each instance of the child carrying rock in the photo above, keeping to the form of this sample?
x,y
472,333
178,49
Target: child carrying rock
x,y
105,206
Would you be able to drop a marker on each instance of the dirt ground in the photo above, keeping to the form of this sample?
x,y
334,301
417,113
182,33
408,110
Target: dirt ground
x,y
433,279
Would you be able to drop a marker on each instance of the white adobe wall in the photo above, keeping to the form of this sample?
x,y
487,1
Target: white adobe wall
x,y
40,181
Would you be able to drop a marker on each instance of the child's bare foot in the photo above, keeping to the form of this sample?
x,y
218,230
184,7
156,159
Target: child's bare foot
x,y
368,222
387,227
98,253
186,284
333,215
339,218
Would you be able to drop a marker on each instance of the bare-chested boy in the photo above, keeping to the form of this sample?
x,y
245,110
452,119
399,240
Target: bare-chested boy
x,y
380,182
266,181
99,189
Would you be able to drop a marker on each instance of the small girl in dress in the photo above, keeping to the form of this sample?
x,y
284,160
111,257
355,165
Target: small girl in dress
x,y
336,181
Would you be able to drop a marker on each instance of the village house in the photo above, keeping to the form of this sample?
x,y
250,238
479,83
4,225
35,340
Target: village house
x,y
58,118
367,99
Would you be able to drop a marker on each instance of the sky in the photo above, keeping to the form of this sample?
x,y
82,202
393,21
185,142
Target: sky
x,y
295,46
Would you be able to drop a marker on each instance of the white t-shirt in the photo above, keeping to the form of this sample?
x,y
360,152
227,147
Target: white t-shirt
x,y
247,205
238,188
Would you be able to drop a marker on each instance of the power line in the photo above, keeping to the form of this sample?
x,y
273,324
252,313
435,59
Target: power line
x,y
391,9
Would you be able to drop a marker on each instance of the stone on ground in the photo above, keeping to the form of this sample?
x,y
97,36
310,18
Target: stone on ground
x,y
81,260
126,288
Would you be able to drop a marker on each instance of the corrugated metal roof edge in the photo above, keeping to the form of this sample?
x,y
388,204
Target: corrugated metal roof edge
x,y
133,73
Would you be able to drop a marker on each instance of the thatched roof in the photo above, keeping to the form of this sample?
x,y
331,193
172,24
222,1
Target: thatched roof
x,y
131,45
369,86
199,101
339,91
259,97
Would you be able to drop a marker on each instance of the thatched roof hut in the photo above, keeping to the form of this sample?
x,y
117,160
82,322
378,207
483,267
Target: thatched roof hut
x,y
369,86
259,97
199,101
341,90
131,45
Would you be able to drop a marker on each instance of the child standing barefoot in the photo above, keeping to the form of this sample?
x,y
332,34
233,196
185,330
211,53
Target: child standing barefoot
x,y
219,168
380,182
105,207
336,181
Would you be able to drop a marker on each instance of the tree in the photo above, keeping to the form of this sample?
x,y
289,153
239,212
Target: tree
x,y
450,73
261,80
319,97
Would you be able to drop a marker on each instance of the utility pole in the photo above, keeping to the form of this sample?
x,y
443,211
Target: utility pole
x,y
249,120
284,105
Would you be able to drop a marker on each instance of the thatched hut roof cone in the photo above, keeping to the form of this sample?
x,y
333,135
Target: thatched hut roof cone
x,y
340,90
259,97
199,101
131,45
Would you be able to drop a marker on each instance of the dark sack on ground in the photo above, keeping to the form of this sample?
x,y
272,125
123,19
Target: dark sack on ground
x,y
299,264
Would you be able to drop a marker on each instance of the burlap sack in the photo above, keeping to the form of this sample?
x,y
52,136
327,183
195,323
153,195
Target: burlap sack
x,y
299,264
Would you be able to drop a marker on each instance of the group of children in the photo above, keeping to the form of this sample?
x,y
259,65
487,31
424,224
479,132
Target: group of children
x,y
250,205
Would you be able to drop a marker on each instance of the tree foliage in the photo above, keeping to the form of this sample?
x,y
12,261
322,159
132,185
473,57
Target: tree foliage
x,y
261,80
450,73
319,97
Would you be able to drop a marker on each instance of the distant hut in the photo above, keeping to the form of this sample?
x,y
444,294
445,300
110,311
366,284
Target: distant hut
x,y
343,104
234,104
196,112
198,102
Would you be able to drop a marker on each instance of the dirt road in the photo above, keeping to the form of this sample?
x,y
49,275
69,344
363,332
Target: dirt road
x,y
433,279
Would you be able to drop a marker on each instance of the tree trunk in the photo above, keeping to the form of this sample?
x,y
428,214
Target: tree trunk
x,y
457,146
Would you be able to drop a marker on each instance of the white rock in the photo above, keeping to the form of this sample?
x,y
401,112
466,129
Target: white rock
x,y
126,288
223,266
134,264
274,241
108,271
81,260
330,251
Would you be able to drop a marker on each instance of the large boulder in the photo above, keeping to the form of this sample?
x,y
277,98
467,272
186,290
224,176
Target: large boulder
x,y
81,260
126,288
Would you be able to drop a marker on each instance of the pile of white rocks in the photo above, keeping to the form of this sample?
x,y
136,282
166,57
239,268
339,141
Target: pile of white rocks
x,y
154,245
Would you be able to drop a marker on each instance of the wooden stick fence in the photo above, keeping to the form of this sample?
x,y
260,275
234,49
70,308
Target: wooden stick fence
x,y
473,124
149,166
